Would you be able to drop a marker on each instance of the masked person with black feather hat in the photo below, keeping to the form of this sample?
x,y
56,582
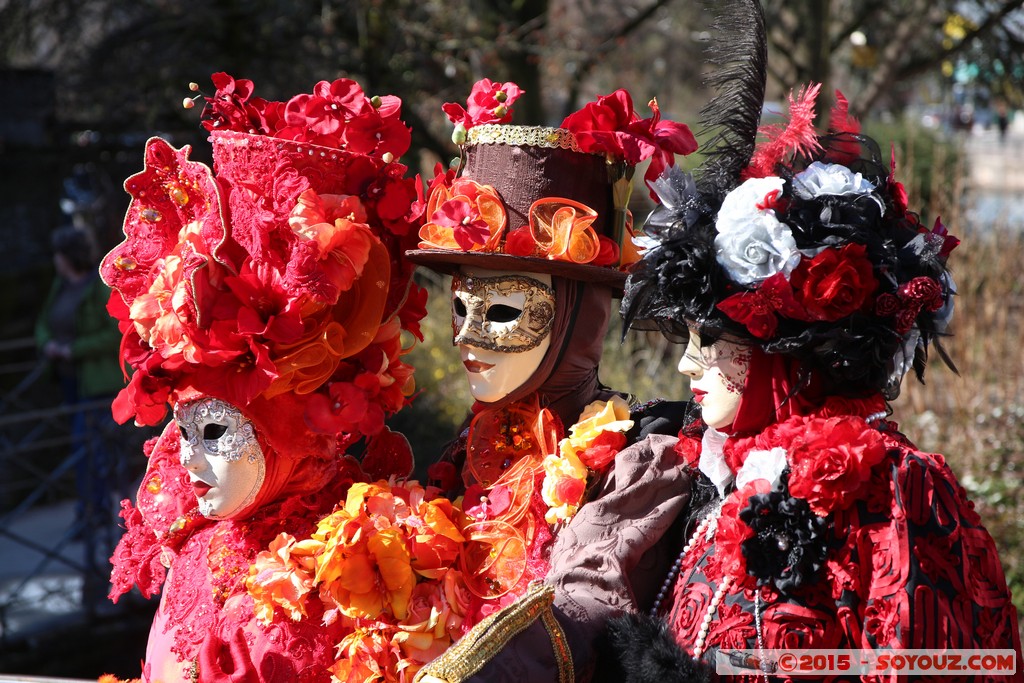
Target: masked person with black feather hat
x,y
804,290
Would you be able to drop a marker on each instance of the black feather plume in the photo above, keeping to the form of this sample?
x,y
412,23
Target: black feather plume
x,y
739,53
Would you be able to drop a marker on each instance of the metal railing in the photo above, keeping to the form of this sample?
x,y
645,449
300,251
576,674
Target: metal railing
x,y
59,493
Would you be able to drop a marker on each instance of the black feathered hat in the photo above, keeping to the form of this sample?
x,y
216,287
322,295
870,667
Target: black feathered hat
x,y
801,244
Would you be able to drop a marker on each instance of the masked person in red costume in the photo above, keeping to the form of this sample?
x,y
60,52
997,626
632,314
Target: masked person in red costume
x,y
534,229
804,290
264,302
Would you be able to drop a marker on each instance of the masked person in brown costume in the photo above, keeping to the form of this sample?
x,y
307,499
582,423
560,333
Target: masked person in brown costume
x,y
536,235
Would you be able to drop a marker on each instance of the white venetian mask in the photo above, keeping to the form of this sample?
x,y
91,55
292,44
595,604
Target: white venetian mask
x,y
717,375
501,322
224,460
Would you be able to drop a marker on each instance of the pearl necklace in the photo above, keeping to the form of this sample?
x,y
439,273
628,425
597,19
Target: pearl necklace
x,y
708,526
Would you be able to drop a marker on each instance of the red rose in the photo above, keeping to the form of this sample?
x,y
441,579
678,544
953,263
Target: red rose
x,y
690,603
835,283
608,252
887,305
832,461
520,242
732,532
602,450
796,627
688,450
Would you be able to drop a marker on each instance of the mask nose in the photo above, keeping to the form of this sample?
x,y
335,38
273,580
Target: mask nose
x,y
687,366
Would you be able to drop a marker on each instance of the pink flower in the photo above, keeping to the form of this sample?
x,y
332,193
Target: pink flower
x,y
469,229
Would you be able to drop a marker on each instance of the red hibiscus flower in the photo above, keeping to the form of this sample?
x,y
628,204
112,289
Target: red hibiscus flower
x,y
835,283
832,460
349,407
376,135
667,137
611,127
488,102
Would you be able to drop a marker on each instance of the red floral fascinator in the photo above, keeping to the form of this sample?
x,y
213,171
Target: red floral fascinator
x,y
537,199
279,270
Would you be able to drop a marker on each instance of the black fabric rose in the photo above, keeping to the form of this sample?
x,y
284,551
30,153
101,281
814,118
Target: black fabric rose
x,y
788,547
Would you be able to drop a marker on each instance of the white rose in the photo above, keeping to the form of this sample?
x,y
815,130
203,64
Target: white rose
x,y
752,244
767,465
832,179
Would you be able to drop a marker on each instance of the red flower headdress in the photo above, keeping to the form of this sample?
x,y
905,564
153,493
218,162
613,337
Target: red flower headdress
x,y
281,271
544,199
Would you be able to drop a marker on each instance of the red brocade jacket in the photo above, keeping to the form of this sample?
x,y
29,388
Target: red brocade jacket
x,y
837,534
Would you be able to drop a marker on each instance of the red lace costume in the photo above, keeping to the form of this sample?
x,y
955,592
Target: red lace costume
x,y
275,286
901,561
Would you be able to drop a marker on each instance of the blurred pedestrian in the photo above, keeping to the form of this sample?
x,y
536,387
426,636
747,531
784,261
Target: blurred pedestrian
x,y
1002,119
79,339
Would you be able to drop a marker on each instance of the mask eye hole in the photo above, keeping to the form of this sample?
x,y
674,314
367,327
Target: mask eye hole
x,y
500,313
213,431
459,306
184,434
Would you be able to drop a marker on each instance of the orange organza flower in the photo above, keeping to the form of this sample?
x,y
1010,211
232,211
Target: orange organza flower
x,y
282,577
466,216
562,230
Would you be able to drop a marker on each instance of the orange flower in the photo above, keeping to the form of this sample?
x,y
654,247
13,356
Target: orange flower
x,y
282,576
345,567
337,223
389,551
473,205
562,230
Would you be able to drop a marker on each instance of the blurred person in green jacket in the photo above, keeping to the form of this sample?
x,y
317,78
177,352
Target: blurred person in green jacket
x,y
81,342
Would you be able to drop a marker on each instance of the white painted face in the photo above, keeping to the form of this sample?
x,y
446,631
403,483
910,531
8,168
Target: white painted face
x,y
501,322
717,375
224,460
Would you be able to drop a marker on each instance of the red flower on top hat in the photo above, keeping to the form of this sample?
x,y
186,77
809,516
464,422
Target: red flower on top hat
x,y
489,102
611,127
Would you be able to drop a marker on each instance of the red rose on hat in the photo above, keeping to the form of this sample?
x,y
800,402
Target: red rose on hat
x,y
835,283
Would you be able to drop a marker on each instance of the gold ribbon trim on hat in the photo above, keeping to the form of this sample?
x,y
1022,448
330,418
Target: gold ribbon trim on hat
x,y
522,136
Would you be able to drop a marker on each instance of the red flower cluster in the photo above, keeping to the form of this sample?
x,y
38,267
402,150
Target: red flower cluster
x,y
611,127
832,285
251,283
489,102
337,115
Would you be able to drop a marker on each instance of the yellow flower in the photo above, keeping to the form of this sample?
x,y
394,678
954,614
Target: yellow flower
x,y
565,480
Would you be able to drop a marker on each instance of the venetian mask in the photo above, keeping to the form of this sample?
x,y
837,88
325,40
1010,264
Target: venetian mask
x,y
224,460
717,375
501,322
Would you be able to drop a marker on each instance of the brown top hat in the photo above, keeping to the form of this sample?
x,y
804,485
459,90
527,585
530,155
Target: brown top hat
x,y
527,199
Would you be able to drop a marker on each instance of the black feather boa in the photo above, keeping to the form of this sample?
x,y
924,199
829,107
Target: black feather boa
x,y
640,649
